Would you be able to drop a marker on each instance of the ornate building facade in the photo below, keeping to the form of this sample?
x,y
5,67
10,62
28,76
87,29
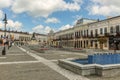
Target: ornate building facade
x,y
94,34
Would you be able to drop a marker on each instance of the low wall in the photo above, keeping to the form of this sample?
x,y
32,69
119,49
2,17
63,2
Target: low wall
x,y
104,58
91,69
77,68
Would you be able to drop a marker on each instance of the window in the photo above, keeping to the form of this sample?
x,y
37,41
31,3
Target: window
x,y
84,33
91,32
111,29
81,33
117,28
96,32
91,43
101,30
75,34
105,30
87,32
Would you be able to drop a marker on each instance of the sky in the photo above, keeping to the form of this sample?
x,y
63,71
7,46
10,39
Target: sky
x,y
41,16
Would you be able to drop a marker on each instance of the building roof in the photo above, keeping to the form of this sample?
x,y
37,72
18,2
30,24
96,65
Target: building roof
x,y
105,19
40,34
20,32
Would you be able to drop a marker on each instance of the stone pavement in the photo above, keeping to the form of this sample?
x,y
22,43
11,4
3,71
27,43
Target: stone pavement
x,y
14,54
21,63
28,65
55,67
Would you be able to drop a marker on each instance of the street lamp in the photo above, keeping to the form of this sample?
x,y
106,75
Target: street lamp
x,y
115,43
5,22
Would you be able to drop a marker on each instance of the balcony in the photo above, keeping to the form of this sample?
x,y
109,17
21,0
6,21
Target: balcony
x,y
90,36
77,36
96,36
85,36
106,34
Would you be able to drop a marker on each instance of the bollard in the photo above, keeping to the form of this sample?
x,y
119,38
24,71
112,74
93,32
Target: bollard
x,y
4,51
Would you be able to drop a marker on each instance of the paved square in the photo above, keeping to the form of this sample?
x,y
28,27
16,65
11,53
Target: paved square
x,y
25,64
21,63
29,71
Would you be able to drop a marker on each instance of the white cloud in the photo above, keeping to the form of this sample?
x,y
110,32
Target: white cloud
x,y
52,20
78,1
104,7
1,14
14,25
1,24
76,17
43,8
41,29
74,22
65,27
5,3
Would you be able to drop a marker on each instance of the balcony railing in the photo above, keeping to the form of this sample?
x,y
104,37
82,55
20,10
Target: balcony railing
x,y
90,36
106,34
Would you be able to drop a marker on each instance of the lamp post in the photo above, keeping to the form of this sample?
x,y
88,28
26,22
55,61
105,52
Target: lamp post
x,y
5,22
115,43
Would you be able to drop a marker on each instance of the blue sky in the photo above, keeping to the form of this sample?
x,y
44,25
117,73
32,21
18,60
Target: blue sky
x,y
43,15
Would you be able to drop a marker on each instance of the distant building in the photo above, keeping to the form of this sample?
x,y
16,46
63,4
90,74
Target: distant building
x,y
22,37
50,37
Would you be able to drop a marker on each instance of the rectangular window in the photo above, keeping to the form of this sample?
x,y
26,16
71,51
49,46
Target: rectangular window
x,y
91,43
101,30
117,29
75,34
96,32
91,32
87,32
111,29
84,33
81,33
105,30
